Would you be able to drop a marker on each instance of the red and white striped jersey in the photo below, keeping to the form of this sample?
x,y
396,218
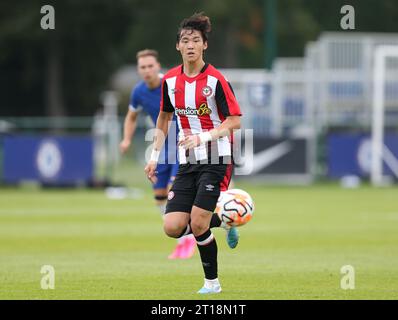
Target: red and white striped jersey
x,y
200,103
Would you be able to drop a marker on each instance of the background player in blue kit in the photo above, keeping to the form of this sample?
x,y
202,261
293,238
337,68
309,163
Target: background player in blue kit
x,y
146,96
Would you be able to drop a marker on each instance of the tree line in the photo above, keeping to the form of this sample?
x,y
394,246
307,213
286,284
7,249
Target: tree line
x,y
63,71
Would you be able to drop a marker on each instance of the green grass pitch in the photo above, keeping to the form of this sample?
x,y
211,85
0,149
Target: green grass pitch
x,y
294,247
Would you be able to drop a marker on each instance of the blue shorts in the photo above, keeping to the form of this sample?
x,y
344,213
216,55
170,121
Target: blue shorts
x,y
165,175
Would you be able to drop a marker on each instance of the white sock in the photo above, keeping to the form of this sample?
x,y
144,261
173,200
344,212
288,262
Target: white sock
x,y
162,209
212,283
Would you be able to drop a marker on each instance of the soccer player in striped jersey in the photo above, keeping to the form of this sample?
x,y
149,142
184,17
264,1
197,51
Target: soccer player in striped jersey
x,y
207,113
146,97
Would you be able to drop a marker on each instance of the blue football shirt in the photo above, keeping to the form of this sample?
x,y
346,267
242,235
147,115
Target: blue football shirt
x,y
143,98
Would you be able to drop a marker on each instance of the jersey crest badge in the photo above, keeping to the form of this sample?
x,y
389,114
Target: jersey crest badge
x,y
207,91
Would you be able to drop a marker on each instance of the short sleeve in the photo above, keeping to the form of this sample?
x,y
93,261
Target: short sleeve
x,y
135,104
165,103
226,100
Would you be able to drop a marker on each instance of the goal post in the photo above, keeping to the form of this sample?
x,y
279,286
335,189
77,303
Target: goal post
x,y
382,53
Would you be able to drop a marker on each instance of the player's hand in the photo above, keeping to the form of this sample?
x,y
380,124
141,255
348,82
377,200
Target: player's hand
x,y
124,146
150,171
190,142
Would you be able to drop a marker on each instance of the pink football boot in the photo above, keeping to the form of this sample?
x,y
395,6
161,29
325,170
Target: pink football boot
x,y
177,251
188,249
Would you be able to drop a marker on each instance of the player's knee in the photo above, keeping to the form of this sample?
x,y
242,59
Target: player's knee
x,y
199,227
172,230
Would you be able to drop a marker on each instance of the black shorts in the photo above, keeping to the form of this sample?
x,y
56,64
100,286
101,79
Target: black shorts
x,y
198,185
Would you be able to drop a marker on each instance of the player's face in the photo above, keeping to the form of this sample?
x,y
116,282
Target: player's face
x,y
148,68
191,45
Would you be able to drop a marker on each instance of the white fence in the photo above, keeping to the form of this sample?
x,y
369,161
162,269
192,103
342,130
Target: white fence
x,y
331,86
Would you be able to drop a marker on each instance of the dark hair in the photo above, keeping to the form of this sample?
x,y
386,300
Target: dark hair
x,y
197,21
148,53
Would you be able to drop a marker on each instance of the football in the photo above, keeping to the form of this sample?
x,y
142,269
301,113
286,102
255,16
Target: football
x,y
235,207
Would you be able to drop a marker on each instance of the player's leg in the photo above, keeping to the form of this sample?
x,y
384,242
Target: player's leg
x,y
178,249
160,196
207,246
174,223
167,176
160,187
232,234
179,203
186,244
208,183
215,222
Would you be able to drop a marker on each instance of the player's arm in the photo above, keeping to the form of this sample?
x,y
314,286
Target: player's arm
x,y
229,107
130,124
130,121
162,128
226,128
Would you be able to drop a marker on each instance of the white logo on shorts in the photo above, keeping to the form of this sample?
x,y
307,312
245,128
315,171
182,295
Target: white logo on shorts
x,y
209,187
170,195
